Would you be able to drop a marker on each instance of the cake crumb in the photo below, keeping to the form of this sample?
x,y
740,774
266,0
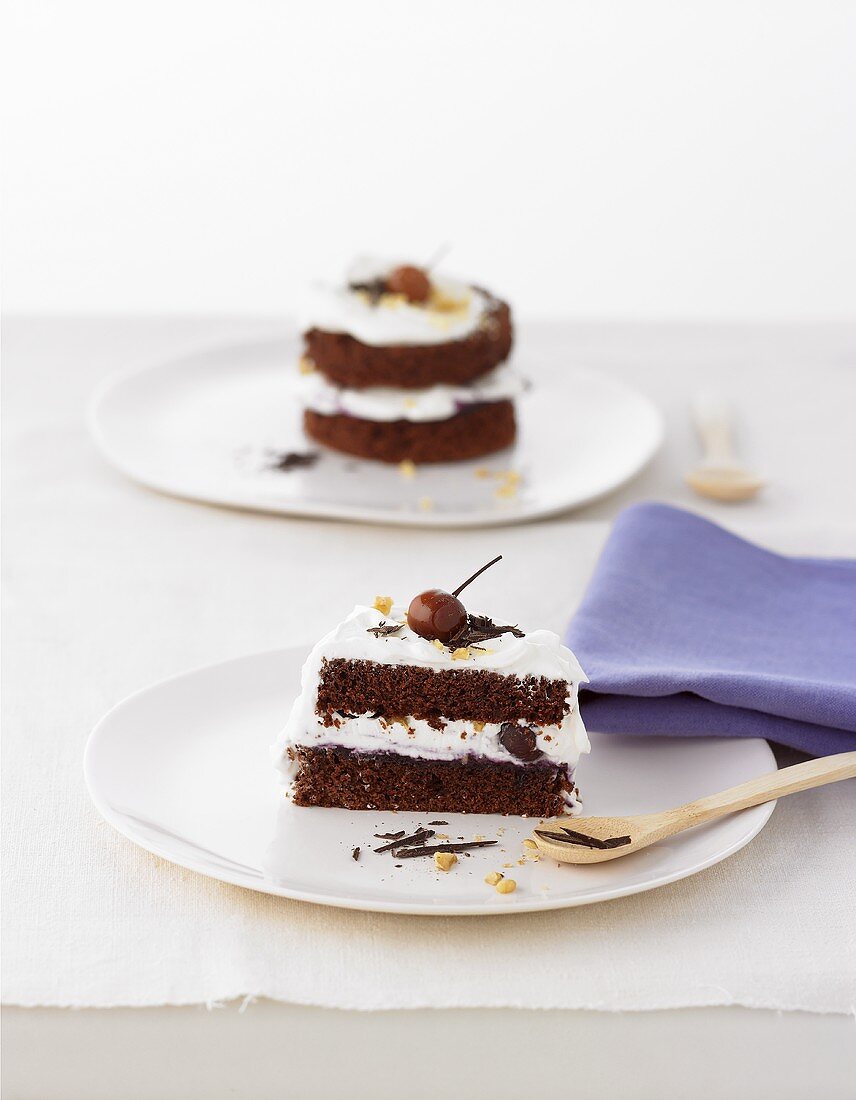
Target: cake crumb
x,y
527,843
507,865
483,472
306,365
506,886
383,604
438,644
445,861
493,878
508,483
426,504
478,726
462,654
407,468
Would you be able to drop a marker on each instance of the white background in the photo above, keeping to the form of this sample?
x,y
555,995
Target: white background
x,y
612,159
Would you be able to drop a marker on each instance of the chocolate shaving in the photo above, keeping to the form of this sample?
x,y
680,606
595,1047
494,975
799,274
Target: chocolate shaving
x,y
375,289
415,838
480,628
583,840
385,629
430,849
390,836
355,855
292,460
438,822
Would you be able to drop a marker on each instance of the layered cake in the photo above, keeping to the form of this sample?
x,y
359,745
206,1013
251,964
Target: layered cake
x,y
430,708
401,364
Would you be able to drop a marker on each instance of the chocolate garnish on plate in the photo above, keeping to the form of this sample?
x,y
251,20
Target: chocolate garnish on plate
x,y
430,849
404,842
293,460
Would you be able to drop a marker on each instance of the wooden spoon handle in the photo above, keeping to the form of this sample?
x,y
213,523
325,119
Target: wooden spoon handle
x,y
713,419
799,777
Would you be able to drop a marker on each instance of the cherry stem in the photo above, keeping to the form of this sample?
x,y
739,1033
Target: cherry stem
x,y
440,254
478,573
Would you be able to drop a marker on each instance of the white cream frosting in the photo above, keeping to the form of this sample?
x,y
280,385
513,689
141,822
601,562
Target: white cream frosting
x,y
387,403
393,320
539,654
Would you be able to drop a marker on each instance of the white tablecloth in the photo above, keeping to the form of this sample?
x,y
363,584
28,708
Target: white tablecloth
x,y
109,587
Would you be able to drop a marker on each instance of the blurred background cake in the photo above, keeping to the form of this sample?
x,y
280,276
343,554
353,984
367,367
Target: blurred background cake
x,y
402,364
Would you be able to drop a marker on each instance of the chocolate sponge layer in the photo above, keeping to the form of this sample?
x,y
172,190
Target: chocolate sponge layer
x,y
396,691
346,361
475,431
332,776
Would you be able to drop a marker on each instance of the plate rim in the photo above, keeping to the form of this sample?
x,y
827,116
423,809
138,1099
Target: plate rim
x,y
119,822
344,511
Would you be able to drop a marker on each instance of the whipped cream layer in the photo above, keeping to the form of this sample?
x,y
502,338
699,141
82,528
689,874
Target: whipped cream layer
x,y
394,320
539,654
385,403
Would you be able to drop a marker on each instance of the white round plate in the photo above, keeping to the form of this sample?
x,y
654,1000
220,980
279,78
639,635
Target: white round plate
x,y
208,427
183,770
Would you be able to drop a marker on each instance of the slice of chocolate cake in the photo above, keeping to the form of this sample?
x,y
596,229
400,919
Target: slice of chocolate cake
x,y
433,709
401,364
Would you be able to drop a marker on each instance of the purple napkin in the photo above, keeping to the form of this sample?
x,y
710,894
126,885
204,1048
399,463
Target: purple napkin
x,y
689,631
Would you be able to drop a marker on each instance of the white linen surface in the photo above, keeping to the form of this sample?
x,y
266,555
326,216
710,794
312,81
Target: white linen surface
x,y
109,587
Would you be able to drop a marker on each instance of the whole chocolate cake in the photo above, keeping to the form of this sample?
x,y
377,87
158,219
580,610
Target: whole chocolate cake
x,y
430,708
401,364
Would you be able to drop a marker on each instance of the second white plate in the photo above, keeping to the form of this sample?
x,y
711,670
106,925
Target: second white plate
x,y
183,770
209,426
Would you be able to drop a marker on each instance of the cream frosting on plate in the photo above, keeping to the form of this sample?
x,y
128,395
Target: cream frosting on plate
x,y
539,653
455,311
386,403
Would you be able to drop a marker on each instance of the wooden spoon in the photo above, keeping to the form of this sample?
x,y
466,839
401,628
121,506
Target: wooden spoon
x,y
719,474
568,840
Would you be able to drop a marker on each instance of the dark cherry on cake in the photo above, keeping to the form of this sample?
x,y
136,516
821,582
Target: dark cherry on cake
x,y
435,614
440,616
520,741
410,281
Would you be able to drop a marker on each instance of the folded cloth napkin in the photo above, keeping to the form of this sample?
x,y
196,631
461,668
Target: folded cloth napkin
x,y
687,630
